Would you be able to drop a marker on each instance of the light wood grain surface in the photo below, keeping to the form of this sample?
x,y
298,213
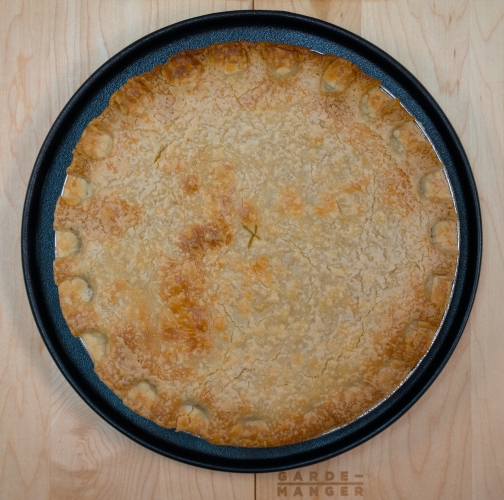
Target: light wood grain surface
x,y
450,445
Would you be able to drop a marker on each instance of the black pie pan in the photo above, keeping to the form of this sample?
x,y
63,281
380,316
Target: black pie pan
x,y
37,241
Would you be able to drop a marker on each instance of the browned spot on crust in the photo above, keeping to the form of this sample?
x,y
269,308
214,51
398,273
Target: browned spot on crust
x,y
281,61
338,74
372,102
116,216
190,183
133,99
262,271
187,318
391,115
327,205
80,165
182,68
230,58
407,136
96,141
198,238
291,203
247,212
75,190
358,185
220,323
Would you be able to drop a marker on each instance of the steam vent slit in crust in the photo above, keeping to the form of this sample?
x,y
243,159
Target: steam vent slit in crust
x,y
255,242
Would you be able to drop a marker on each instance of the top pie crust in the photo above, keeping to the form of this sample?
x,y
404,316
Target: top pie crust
x,y
255,242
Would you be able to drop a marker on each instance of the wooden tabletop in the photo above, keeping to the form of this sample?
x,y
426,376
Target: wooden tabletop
x,y
450,445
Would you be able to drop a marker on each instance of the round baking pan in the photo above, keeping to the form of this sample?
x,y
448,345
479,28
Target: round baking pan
x,y
49,174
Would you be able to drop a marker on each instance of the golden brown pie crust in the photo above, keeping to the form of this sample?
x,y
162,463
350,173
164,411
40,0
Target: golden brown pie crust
x,y
255,242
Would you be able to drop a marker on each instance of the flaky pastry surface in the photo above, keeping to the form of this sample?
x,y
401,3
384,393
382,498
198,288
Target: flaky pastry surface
x,y
255,242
